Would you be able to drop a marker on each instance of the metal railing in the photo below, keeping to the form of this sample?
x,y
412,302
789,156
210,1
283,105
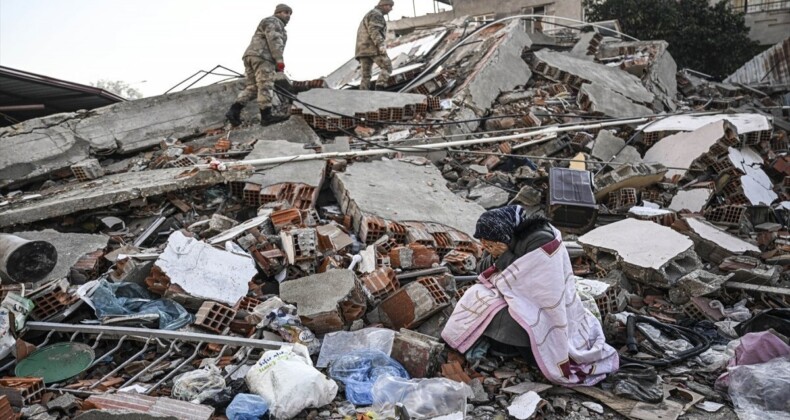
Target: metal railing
x,y
757,6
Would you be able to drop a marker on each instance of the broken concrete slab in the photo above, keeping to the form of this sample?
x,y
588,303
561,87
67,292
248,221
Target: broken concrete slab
x,y
114,189
204,272
294,130
489,196
351,102
686,149
399,191
600,99
324,300
587,45
755,185
557,66
659,262
712,243
693,200
701,282
39,147
70,246
306,172
500,70
743,123
610,147
628,176
660,74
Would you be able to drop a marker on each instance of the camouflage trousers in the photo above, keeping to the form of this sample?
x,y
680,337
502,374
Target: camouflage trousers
x,y
259,77
385,70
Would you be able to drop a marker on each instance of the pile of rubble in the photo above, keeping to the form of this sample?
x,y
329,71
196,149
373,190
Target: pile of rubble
x,y
155,262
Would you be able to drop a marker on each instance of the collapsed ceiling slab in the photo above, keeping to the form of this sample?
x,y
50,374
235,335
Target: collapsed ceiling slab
x,y
39,147
114,189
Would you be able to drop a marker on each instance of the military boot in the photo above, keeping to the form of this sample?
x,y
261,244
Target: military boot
x,y
234,114
268,119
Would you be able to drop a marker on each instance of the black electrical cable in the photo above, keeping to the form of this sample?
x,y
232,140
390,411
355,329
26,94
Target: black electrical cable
x,y
700,342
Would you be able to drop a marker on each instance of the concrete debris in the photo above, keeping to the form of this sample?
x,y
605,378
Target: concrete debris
x,y
195,268
418,194
39,147
348,228
326,301
693,200
660,262
602,100
70,247
612,149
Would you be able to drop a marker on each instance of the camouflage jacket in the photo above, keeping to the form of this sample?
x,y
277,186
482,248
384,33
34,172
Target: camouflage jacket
x,y
269,40
371,34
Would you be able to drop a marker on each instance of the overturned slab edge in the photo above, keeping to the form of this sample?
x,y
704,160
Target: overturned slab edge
x,y
116,189
117,332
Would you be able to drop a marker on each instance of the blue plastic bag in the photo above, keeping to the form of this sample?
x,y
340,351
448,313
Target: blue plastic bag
x,y
246,407
119,299
360,369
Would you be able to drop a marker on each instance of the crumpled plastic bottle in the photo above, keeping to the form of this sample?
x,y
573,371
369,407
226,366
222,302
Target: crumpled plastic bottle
x,y
360,369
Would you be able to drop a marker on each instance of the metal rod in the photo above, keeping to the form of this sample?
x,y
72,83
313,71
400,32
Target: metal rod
x,y
429,147
420,273
124,364
21,108
149,333
167,354
174,371
109,353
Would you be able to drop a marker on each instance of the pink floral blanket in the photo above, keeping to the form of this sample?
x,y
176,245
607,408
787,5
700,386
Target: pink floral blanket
x,y
539,290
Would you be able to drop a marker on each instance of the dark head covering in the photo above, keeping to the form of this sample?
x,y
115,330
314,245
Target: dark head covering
x,y
282,8
500,224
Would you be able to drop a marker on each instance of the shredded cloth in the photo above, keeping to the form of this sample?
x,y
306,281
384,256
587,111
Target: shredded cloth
x,y
539,291
500,224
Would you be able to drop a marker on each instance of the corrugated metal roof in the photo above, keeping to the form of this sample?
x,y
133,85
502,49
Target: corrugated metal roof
x,y
772,67
42,95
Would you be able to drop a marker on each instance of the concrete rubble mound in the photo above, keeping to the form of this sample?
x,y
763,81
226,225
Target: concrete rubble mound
x,y
157,263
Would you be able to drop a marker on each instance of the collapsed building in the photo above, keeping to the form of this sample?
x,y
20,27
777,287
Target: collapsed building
x,y
163,249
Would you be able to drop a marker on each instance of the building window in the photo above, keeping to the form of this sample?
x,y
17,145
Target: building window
x,y
757,6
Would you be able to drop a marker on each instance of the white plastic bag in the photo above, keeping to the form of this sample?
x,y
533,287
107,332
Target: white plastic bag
x,y
760,391
287,380
423,398
198,385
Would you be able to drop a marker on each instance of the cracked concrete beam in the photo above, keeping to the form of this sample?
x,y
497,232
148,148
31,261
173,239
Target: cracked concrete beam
x,y
39,147
114,189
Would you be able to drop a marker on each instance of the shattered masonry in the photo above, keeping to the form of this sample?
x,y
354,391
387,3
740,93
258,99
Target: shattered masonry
x,y
162,249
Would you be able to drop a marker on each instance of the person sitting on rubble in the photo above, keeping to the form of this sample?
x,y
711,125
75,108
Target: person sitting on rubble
x,y
525,302
263,64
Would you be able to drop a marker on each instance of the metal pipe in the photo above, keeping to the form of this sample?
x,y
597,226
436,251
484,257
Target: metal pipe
x,y
11,108
420,273
149,333
25,261
429,147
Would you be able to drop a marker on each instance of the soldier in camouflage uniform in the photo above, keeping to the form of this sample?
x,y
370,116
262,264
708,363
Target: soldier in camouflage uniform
x,y
372,47
263,59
